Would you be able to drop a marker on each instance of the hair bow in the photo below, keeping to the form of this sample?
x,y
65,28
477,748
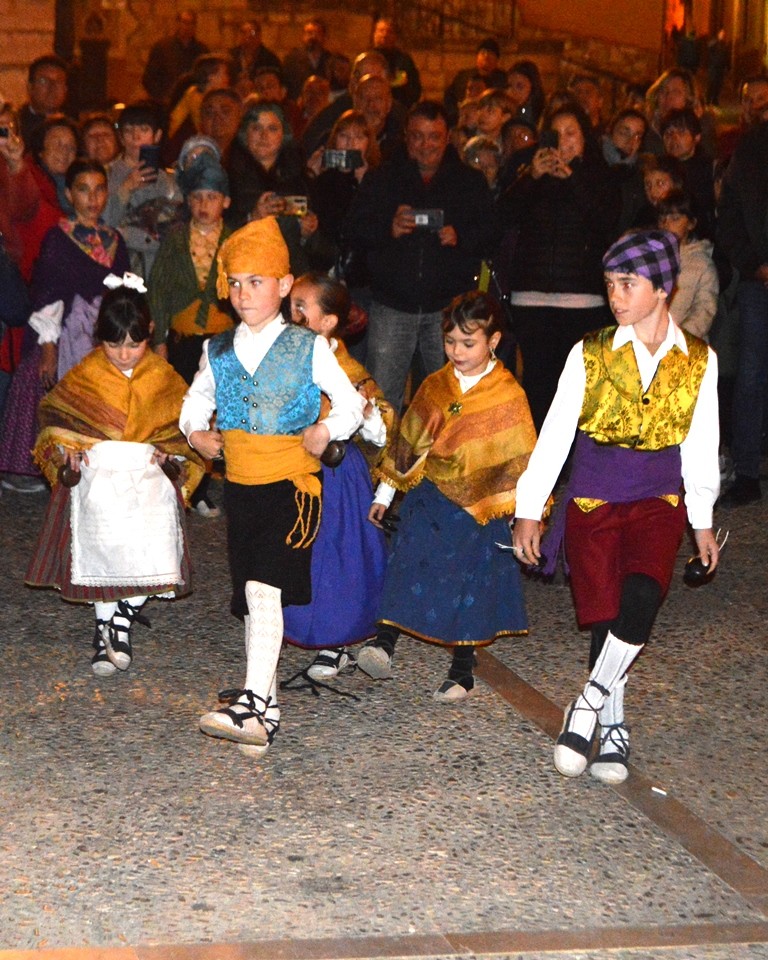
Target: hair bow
x,y
130,280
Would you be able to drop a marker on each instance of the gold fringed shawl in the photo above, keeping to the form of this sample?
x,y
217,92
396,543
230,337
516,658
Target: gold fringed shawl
x,y
472,446
362,380
95,402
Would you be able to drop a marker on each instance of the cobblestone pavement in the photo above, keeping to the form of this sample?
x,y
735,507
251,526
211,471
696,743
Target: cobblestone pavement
x,y
384,825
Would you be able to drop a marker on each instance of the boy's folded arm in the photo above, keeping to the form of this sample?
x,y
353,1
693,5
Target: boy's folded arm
x,y
347,404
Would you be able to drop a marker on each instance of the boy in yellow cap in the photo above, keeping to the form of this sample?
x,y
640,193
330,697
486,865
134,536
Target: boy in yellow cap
x,y
264,380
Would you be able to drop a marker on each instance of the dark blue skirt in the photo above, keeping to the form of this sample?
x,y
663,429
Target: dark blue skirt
x,y
349,559
447,582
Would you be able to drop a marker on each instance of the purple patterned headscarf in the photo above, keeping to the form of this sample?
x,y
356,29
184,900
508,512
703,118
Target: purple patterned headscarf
x,y
653,254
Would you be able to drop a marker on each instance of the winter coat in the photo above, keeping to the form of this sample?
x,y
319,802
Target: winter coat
x,y
415,273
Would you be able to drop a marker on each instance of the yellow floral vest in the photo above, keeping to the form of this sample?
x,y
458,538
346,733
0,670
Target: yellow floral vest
x,y
616,410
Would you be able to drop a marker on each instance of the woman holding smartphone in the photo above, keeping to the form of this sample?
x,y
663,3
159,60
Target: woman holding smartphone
x,y
563,209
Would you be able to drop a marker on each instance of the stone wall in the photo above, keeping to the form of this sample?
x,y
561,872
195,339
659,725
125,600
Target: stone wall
x,y
132,26
27,32
139,24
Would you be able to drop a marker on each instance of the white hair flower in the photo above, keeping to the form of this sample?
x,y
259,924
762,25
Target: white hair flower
x,y
131,280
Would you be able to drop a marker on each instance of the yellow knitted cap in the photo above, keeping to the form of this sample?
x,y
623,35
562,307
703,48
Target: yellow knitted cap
x,y
257,248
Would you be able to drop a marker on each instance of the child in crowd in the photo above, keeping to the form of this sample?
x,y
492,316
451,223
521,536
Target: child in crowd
x,y
349,556
642,399
493,110
463,442
661,175
694,301
109,445
143,198
67,285
264,380
182,285
485,155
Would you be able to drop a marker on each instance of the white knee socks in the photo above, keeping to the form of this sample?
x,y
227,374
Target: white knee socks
x,y
264,639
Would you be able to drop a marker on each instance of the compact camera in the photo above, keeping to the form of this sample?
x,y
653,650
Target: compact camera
x,y
342,159
428,219
295,206
5,132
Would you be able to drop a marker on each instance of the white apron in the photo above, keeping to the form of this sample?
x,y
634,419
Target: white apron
x,y
125,521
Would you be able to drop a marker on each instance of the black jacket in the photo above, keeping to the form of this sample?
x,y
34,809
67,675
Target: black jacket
x,y
565,226
742,230
415,273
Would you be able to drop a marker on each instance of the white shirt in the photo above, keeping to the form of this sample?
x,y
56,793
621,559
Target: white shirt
x,y
373,430
701,474
385,493
250,348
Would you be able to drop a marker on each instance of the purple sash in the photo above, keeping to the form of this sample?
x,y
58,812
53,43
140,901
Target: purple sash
x,y
613,474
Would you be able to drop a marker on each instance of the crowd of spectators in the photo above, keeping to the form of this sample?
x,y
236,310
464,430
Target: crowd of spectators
x,y
406,198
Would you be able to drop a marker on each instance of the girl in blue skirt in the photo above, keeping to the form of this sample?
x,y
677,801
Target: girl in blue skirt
x,y
349,555
461,447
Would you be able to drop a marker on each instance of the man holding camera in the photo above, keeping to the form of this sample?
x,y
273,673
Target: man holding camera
x,y
425,221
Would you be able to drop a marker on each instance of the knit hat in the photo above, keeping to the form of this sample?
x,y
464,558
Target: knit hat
x,y
257,248
203,173
196,145
653,254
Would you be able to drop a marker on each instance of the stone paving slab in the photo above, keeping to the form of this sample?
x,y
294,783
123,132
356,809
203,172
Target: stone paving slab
x,y
385,816
697,697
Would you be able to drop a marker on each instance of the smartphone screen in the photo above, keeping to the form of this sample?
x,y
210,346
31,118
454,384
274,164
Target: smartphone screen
x,y
149,156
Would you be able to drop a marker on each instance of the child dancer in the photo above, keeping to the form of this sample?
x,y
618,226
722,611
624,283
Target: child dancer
x,y
264,380
642,400
109,431
462,445
349,556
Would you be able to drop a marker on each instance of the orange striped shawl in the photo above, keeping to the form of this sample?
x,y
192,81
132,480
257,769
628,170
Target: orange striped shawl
x,y
95,401
472,446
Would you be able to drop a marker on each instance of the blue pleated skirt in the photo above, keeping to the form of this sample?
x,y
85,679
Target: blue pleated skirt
x,y
447,582
349,559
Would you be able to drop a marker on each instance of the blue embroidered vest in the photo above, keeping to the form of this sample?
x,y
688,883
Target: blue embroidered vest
x,y
280,397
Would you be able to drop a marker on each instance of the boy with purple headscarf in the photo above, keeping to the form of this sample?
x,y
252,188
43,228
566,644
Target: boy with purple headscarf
x,y
641,397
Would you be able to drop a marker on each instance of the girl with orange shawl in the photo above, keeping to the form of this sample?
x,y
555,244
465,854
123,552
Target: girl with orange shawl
x,y
110,447
462,445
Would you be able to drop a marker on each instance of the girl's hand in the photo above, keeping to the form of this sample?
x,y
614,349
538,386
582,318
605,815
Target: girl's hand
x,y
360,172
526,540
73,459
49,361
709,551
316,438
208,443
309,224
376,514
159,457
